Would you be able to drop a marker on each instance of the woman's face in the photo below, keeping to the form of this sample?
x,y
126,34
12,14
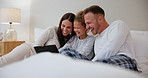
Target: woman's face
x,y
79,29
66,27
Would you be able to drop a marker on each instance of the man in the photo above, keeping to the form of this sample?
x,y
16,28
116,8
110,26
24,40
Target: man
x,y
114,44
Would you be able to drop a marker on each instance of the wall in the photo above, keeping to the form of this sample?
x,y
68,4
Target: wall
x,y
22,29
46,13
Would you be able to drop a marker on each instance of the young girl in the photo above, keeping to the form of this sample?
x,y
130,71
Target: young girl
x,y
81,45
52,35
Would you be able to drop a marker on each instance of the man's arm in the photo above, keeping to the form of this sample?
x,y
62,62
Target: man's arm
x,y
116,39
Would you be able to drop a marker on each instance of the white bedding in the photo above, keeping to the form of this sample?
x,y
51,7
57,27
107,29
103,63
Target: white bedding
x,y
48,65
141,48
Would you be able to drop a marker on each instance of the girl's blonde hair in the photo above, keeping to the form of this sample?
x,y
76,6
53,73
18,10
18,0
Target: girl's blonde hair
x,y
79,18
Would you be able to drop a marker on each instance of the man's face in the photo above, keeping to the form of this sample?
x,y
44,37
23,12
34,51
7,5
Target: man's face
x,y
91,21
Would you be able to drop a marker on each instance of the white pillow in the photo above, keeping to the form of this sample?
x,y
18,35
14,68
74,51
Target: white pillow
x,y
38,32
141,49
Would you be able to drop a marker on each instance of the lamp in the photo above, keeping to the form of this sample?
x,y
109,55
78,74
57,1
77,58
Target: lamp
x,y
10,16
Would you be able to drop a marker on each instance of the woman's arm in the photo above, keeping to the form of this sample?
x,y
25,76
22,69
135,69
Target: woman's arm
x,y
68,44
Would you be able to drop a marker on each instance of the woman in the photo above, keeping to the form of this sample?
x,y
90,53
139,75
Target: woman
x,y
52,35
81,45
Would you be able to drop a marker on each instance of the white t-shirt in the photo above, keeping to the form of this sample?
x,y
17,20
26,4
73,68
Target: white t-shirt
x,y
115,39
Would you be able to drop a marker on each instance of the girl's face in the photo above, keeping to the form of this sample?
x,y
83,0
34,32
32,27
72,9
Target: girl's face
x,y
66,27
80,30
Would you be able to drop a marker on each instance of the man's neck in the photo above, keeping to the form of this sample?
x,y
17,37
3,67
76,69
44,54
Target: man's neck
x,y
103,26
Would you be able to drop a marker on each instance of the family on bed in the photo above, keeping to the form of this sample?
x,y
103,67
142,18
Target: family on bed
x,y
113,45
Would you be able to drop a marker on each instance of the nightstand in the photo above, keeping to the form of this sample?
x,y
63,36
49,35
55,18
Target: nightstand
x,y
7,46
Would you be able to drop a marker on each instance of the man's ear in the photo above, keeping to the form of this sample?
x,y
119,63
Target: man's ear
x,y
100,18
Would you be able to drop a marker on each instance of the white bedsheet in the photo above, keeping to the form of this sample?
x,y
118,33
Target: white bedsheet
x,y
141,50
48,65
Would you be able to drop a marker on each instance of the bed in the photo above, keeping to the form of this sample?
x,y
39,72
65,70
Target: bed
x,y
141,49
49,65
52,65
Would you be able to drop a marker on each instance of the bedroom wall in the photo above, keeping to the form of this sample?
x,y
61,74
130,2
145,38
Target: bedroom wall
x,y
46,13
22,29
